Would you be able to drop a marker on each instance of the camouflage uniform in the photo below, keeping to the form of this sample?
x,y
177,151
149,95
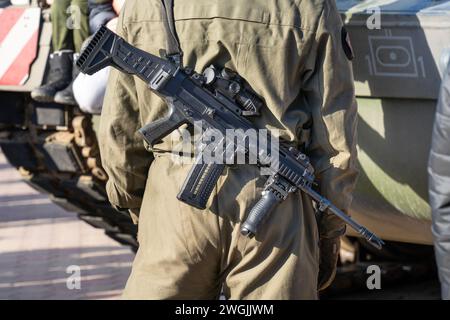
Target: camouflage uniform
x,y
291,53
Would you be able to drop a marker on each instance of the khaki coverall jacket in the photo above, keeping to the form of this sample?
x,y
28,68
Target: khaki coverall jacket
x,y
291,52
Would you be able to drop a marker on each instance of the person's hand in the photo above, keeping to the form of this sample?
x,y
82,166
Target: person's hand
x,y
329,254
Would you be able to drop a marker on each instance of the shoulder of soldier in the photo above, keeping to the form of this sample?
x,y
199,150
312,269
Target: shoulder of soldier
x,y
329,17
319,16
136,10
314,7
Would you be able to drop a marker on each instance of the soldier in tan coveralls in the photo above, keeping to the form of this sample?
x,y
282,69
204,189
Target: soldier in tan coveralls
x,y
292,54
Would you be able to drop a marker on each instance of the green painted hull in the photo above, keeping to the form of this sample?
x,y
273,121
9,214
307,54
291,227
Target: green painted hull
x,y
394,143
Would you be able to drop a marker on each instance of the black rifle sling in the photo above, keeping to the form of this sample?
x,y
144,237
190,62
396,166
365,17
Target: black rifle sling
x,y
174,51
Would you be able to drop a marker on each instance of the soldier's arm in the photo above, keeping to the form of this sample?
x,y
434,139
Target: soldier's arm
x,y
329,91
124,157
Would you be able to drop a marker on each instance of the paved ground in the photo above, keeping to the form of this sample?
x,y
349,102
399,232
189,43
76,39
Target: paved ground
x,y
39,242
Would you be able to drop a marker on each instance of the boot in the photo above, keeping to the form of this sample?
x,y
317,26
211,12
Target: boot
x,y
66,96
59,77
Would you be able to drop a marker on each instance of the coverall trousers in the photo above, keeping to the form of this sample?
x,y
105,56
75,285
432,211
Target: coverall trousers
x,y
186,253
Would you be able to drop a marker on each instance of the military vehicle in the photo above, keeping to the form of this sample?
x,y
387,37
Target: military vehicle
x,y
400,49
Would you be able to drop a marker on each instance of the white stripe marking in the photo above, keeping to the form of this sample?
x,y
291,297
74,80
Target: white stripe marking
x,y
17,38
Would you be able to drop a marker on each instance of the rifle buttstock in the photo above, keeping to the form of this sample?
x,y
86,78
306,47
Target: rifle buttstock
x,y
156,130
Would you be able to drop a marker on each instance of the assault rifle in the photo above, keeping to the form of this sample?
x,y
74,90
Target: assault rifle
x,y
219,100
